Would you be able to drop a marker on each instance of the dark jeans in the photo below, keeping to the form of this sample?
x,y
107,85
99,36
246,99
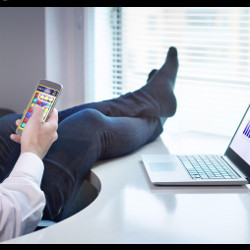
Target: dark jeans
x,y
87,133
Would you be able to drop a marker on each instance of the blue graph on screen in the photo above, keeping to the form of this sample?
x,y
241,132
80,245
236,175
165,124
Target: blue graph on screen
x,y
246,131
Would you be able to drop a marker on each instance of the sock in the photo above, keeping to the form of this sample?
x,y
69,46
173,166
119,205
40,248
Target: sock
x,y
161,84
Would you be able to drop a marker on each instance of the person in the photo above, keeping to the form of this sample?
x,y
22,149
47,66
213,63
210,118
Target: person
x,y
21,199
92,132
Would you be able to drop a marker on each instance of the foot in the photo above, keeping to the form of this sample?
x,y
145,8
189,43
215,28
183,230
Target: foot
x,y
161,84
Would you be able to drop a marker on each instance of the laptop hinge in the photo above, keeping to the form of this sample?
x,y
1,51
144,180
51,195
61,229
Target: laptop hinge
x,y
234,167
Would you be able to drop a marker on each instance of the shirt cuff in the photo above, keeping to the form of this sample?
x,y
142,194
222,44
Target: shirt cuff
x,y
29,165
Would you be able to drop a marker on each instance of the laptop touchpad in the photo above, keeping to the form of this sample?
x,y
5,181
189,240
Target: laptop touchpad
x,y
163,166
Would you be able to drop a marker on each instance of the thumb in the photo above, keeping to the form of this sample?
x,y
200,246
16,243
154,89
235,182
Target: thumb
x,y
36,115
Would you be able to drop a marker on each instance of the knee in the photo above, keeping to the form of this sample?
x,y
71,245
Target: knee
x,y
93,117
87,121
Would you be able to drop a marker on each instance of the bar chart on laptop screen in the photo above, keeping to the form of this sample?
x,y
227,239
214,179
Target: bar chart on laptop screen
x,y
246,131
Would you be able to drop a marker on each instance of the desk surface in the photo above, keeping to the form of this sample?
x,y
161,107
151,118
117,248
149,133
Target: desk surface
x,y
129,209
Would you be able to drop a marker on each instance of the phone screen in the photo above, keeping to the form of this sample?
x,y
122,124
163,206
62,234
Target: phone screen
x,y
45,97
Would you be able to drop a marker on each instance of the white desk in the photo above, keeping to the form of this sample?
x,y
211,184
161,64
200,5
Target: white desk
x,y
131,210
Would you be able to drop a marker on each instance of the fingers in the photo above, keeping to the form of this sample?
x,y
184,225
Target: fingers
x,y
18,122
37,113
53,117
35,120
52,123
15,138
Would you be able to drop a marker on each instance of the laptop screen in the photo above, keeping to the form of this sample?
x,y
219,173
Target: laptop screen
x,y
240,143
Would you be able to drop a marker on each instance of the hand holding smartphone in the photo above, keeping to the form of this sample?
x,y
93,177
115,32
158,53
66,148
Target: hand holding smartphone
x,y
45,95
37,138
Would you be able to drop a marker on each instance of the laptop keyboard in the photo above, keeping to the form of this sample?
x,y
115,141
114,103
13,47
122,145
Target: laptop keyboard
x,y
207,167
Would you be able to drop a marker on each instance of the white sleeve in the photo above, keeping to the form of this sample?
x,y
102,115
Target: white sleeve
x,y
21,199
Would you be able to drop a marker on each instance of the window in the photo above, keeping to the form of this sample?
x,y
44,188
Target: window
x,y
213,83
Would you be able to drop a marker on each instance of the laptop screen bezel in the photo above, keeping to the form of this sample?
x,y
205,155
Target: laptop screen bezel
x,y
235,158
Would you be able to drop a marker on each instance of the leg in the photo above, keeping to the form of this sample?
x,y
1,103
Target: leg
x,y
135,104
155,99
84,138
162,82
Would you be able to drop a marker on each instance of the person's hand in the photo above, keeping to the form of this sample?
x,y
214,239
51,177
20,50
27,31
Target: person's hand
x,y
37,137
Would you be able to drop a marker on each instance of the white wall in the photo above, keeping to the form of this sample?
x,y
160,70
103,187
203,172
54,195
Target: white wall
x,y
51,43
22,54
69,57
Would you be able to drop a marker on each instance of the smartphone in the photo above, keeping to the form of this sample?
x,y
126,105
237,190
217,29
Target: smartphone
x,y
45,95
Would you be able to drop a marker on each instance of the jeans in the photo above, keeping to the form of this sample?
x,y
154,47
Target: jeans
x,y
86,134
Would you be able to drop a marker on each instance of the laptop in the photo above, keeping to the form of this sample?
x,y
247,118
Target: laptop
x,y
233,168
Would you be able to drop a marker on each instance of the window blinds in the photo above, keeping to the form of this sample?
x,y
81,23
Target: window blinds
x,y
213,83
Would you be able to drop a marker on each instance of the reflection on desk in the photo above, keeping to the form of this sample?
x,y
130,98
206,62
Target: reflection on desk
x,y
129,209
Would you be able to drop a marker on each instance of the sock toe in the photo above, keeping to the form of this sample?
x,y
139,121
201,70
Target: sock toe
x,y
172,53
171,59
171,65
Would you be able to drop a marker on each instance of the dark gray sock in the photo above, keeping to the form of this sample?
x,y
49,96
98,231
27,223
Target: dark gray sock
x,y
161,83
